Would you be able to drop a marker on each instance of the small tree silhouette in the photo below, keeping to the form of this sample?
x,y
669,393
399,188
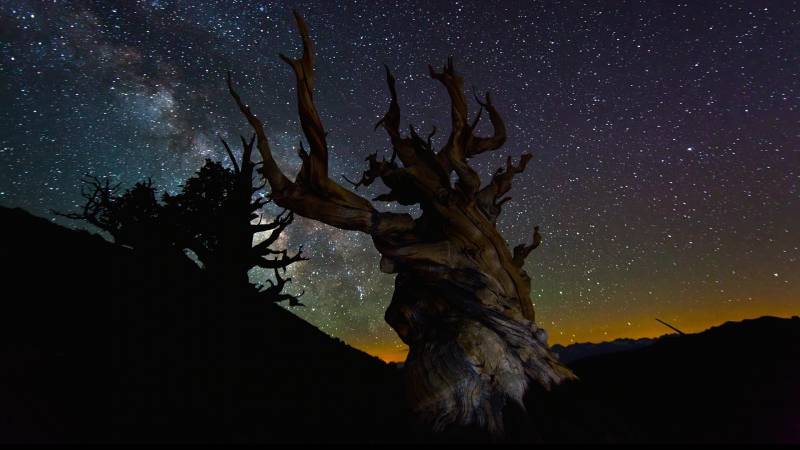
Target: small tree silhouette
x,y
212,215
133,218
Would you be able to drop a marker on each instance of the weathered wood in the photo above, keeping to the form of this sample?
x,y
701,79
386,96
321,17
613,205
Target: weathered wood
x,y
670,326
462,298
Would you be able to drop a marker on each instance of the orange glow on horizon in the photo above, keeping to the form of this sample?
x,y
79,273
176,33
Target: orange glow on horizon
x,y
396,357
397,352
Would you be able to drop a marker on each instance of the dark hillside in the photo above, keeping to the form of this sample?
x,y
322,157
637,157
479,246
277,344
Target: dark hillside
x,y
737,382
100,344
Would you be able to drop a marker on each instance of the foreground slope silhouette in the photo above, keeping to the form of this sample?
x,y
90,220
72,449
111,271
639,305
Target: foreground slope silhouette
x,y
100,345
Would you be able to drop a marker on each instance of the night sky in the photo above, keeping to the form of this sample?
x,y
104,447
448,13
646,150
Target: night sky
x,y
666,136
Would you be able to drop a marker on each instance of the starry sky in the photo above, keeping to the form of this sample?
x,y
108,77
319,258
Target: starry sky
x,y
665,135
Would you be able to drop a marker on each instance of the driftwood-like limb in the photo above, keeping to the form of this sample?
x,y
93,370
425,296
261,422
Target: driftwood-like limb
x,y
522,251
274,292
391,123
230,155
490,198
428,180
478,144
309,118
282,261
247,152
277,180
670,326
455,151
281,221
313,194
454,84
461,300
377,169
277,226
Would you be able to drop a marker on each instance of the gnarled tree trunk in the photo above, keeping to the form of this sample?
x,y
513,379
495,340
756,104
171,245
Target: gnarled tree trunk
x,y
462,299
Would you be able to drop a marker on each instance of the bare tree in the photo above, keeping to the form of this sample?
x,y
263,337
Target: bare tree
x,y
462,299
132,218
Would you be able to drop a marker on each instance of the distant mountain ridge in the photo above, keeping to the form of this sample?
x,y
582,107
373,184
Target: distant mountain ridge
x,y
580,350
574,352
734,383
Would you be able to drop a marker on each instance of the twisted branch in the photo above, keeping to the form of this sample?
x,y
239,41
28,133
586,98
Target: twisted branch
x,y
313,194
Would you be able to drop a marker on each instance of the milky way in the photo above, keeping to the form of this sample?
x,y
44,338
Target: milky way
x,y
666,136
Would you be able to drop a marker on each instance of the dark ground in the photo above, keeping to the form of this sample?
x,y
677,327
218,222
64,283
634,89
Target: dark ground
x,y
102,345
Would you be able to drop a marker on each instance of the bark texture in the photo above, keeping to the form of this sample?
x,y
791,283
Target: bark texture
x,y
462,298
